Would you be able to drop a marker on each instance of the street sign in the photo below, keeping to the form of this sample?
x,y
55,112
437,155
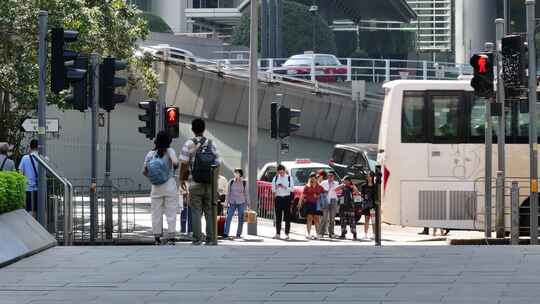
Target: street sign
x,y
284,148
31,125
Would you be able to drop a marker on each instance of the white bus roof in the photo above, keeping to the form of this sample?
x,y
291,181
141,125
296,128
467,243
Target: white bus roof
x,y
429,84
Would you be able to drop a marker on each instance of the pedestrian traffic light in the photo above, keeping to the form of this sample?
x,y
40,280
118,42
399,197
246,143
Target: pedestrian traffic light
x,y
109,82
286,125
273,119
79,97
514,61
149,130
482,81
67,69
172,121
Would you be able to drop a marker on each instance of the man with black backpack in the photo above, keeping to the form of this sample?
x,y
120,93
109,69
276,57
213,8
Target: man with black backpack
x,y
200,165
282,187
29,168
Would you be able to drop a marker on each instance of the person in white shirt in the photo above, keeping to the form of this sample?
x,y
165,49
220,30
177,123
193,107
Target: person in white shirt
x,y
282,187
164,197
329,211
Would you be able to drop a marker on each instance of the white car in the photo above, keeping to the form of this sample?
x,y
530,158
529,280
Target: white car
x,y
174,53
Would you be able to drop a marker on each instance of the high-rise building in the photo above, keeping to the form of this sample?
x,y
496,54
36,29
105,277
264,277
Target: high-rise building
x,y
434,25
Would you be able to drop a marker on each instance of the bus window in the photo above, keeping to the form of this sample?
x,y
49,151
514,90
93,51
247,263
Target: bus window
x,y
446,115
412,120
477,118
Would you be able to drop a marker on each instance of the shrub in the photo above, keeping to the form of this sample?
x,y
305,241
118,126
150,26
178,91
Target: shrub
x,y
12,191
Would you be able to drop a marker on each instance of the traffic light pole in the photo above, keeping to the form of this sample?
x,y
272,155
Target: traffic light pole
x,y
279,101
533,138
161,106
252,120
42,107
501,153
107,183
94,93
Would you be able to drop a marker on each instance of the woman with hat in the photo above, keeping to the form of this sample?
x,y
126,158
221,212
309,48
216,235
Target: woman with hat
x,y
308,201
164,194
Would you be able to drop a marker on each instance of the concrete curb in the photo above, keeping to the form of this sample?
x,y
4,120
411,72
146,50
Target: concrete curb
x,y
485,242
21,236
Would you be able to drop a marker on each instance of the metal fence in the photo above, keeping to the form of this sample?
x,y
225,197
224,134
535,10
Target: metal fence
x,y
265,201
59,203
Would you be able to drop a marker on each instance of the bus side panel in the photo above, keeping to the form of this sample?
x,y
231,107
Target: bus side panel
x,y
439,203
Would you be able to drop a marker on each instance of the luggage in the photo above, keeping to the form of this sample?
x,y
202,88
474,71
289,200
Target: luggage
x,y
221,225
250,216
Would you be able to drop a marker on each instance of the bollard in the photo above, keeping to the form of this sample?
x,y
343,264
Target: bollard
x,y
377,231
514,217
499,210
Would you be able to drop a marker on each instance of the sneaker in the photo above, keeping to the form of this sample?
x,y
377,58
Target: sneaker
x,y
320,236
196,243
171,242
331,236
287,237
276,237
239,237
230,238
157,241
342,237
211,243
308,237
354,237
314,237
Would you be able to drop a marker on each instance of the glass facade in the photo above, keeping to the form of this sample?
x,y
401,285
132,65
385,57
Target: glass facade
x,y
434,24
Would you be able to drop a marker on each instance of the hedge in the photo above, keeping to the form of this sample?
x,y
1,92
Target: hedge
x,y
12,191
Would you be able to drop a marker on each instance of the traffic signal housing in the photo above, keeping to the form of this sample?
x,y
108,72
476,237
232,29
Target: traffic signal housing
x,y
273,120
108,99
514,61
288,121
68,69
172,121
483,78
79,97
149,118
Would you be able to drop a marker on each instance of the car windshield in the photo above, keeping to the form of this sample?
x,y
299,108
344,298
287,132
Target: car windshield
x,y
372,160
301,175
298,61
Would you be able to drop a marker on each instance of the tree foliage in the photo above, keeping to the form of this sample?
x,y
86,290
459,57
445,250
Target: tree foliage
x,y
106,27
157,24
297,29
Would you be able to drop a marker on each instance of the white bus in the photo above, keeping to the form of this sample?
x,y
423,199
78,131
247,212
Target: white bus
x,y
431,151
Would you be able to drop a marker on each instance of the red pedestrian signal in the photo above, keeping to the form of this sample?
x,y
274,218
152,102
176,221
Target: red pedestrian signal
x,y
172,121
483,79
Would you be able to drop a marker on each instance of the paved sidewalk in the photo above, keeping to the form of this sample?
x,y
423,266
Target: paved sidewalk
x,y
275,274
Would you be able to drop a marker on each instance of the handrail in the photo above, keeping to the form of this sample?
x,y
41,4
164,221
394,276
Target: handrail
x,y
68,199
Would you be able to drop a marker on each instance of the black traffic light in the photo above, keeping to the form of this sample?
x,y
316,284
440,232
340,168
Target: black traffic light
x,y
273,119
149,130
67,69
482,81
286,126
109,82
79,97
172,121
514,61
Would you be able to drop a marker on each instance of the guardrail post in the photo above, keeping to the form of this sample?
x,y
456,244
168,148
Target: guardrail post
x,y
349,69
387,70
499,210
313,69
271,64
514,217
424,70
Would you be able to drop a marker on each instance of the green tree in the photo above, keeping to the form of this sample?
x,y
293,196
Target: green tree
x,y
106,27
156,23
297,29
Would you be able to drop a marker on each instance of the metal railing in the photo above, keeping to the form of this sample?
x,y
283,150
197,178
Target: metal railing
x,y
125,207
59,204
265,201
516,207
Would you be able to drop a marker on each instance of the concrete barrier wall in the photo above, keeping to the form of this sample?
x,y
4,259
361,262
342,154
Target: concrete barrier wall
x,y
20,236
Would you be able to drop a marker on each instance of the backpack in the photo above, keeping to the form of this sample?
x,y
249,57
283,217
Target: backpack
x,y
232,181
203,160
158,170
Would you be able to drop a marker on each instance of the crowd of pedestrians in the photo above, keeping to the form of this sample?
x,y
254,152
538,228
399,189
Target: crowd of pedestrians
x,y
321,200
